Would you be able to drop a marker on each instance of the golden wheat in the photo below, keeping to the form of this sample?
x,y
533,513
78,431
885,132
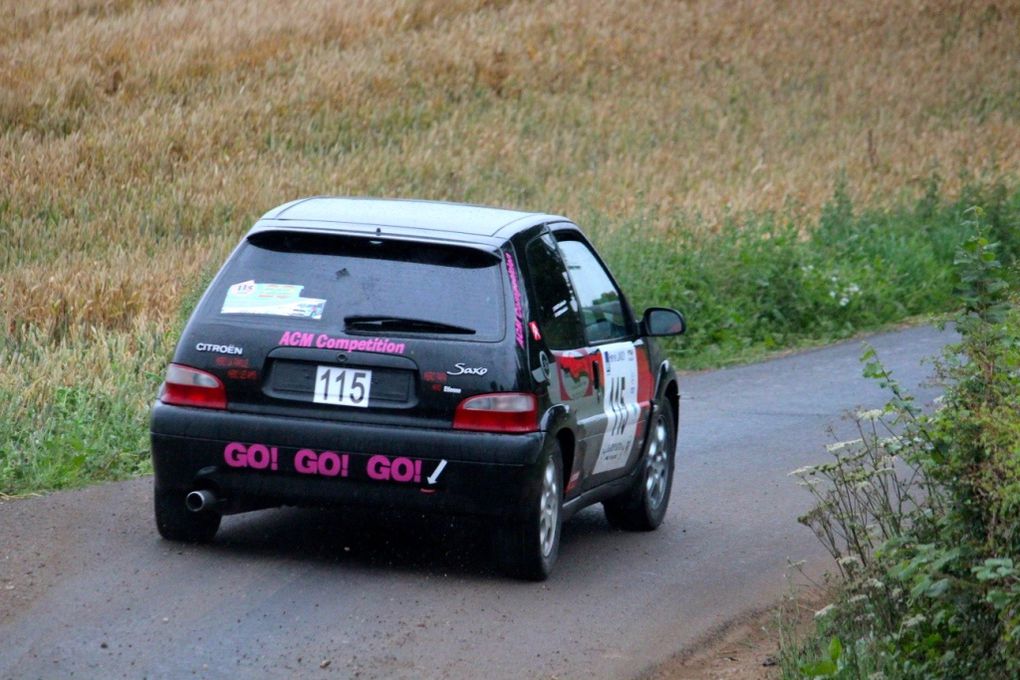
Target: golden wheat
x,y
138,140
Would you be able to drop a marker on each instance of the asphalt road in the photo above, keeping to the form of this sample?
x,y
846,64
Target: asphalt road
x,y
87,588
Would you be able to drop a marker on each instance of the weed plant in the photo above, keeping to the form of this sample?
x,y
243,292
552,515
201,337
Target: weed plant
x,y
922,513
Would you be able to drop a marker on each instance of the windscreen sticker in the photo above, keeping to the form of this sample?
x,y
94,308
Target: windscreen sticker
x,y
620,404
271,299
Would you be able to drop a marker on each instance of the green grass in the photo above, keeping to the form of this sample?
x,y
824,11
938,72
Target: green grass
x,y
766,282
761,283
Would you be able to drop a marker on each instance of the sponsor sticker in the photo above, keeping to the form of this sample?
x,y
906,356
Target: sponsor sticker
x,y
379,468
620,404
325,341
271,299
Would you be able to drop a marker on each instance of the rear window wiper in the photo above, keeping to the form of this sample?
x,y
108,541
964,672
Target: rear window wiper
x,y
400,323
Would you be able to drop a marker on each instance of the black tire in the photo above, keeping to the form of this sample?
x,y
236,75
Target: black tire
x,y
176,523
643,506
527,548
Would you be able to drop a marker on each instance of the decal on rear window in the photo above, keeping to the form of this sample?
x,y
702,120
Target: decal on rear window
x,y
271,299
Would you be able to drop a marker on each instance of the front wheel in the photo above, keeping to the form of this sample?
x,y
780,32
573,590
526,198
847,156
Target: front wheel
x,y
643,506
527,548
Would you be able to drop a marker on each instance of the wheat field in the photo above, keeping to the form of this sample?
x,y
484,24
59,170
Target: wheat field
x,y
140,138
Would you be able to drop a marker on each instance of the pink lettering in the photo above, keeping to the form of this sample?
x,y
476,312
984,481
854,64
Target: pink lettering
x,y
329,464
401,469
305,462
515,289
326,341
256,456
378,468
235,455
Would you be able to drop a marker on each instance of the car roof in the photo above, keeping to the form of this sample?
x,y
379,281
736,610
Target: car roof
x,y
409,219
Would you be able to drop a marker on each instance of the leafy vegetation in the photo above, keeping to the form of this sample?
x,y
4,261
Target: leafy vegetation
x,y
922,513
140,138
768,282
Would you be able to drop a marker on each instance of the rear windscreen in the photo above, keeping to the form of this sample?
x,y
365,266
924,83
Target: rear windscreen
x,y
277,279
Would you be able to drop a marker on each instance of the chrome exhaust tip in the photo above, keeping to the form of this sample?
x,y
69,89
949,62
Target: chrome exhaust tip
x,y
199,500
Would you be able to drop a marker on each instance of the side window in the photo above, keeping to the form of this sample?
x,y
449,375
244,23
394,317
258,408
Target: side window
x,y
555,302
602,310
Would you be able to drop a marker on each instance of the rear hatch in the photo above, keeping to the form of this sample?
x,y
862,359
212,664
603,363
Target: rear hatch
x,y
353,328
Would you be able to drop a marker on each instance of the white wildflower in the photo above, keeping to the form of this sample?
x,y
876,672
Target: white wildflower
x,y
871,414
805,470
844,301
825,611
875,583
848,560
832,294
857,599
914,620
853,289
839,446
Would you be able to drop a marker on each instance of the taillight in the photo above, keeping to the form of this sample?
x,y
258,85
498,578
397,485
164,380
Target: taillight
x,y
499,412
186,386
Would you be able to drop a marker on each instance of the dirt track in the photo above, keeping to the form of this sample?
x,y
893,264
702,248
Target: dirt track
x,y
88,589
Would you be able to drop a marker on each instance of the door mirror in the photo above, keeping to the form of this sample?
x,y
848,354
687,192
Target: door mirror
x,y
660,321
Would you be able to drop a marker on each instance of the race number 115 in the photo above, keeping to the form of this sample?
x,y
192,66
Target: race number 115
x,y
342,386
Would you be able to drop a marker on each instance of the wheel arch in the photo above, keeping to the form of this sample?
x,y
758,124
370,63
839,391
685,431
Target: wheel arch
x,y
567,441
668,391
672,396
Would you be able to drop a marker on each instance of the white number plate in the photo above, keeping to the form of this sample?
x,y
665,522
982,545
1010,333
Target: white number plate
x,y
342,386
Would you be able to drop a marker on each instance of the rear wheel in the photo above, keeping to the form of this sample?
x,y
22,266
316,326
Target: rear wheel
x,y
176,523
527,548
643,506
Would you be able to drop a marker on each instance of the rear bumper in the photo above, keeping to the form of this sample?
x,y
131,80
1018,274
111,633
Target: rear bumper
x,y
261,461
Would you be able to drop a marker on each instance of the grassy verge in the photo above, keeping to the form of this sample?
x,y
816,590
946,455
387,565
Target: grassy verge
x,y
139,138
922,512
763,283
74,402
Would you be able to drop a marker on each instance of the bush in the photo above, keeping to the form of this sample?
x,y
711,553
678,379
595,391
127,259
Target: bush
x,y
922,513
767,282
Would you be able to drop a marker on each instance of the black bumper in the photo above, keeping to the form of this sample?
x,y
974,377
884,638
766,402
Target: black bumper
x,y
262,461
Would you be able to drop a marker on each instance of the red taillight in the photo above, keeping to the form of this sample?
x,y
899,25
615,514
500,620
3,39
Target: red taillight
x,y
186,386
500,412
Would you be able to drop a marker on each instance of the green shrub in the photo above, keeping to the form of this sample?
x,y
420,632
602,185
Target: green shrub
x,y
922,512
764,282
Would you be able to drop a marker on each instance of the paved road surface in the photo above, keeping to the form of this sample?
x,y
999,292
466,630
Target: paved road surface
x,y
87,589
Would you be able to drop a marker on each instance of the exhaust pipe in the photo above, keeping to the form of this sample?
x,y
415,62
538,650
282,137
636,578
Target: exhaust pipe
x,y
201,499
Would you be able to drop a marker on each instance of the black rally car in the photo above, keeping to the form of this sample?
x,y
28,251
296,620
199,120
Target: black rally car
x,y
417,355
